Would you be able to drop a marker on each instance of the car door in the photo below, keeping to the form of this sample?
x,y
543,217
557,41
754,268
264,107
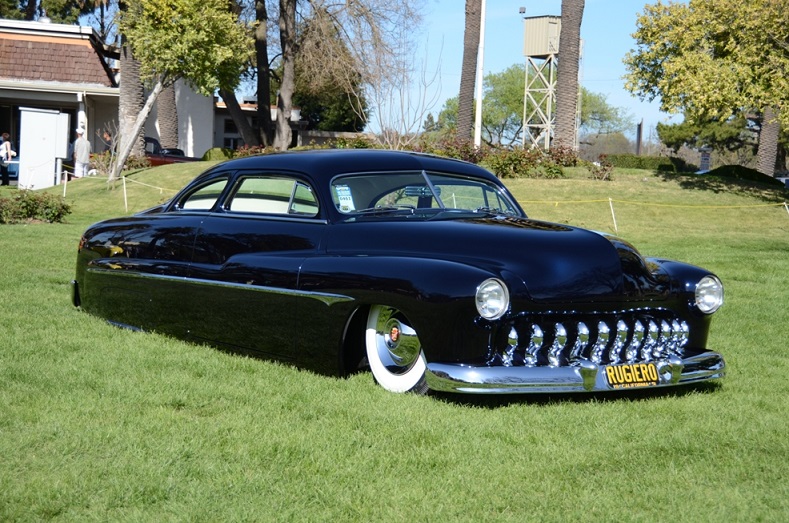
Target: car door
x,y
246,262
138,265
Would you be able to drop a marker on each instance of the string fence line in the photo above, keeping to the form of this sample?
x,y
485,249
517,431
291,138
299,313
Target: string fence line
x,y
555,203
611,201
125,199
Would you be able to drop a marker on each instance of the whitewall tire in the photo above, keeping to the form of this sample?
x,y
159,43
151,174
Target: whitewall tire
x,y
394,351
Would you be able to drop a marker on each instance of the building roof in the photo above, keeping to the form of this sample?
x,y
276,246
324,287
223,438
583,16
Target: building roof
x,y
57,53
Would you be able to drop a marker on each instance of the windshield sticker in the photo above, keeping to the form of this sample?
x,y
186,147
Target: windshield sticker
x,y
344,197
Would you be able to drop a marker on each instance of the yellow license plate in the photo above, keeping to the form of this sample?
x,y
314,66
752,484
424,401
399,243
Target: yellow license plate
x,y
632,375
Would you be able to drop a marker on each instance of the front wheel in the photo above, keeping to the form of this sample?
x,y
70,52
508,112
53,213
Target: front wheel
x,y
394,352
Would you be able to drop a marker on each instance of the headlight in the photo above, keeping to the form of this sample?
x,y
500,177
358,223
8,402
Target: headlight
x,y
709,294
492,299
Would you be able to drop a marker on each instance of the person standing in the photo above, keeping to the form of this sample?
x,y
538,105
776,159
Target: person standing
x,y
7,154
81,154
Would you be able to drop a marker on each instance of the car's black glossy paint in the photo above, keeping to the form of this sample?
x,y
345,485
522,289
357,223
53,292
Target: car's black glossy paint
x,y
298,287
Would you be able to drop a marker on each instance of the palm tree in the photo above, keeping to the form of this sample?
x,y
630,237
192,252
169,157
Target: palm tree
x,y
167,115
131,99
565,130
768,141
465,121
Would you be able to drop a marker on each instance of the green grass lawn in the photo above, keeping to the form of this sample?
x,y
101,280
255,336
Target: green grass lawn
x,y
102,424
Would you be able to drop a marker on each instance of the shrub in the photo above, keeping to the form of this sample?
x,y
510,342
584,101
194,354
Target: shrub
x,y
246,150
217,153
601,170
29,205
518,162
454,147
563,156
655,163
357,142
102,162
136,162
513,163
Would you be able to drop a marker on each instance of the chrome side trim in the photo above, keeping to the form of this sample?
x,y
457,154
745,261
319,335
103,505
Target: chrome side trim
x,y
584,376
324,297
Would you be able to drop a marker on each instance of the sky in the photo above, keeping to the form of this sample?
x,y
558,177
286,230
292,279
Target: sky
x,y
606,31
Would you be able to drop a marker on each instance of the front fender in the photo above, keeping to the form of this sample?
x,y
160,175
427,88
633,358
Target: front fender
x,y
437,297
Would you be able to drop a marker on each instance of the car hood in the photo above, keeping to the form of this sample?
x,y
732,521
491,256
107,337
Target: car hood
x,y
554,262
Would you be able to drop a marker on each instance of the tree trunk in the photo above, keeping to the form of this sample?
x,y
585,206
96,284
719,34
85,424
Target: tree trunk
x,y
130,102
248,134
167,115
135,130
468,74
565,129
266,129
287,35
767,153
30,10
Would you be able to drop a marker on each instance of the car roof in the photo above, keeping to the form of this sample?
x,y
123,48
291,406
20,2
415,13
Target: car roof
x,y
327,163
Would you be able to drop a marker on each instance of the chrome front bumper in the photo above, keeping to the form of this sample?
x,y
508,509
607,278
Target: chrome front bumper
x,y
584,376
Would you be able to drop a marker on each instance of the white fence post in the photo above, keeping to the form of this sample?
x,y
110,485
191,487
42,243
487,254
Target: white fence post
x,y
611,204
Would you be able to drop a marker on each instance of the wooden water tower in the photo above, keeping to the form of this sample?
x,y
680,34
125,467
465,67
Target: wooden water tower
x,y
540,47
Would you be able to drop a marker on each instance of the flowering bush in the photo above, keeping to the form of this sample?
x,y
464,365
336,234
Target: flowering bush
x,y
29,205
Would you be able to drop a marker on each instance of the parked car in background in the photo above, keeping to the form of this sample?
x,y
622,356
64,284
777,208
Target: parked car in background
x,y
423,269
159,155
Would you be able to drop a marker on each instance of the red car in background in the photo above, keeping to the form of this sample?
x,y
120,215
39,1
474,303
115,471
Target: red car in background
x,y
159,155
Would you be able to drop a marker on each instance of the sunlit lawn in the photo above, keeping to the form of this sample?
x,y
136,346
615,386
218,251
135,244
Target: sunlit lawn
x,y
102,424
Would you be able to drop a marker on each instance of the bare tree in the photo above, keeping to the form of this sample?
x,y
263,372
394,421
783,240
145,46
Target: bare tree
x,y
365,47
248,134
287,40
359,46
567,73
468,74
266,128
400,105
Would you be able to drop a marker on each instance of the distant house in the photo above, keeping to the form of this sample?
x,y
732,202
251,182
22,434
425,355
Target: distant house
x,y
227,135
59,77
55,66
67,71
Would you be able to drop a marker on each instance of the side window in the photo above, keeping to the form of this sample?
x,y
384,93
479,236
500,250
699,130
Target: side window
x,y
273,195
303,201
204,198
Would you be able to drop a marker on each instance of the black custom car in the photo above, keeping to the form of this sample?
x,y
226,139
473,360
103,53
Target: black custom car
x,y
424,269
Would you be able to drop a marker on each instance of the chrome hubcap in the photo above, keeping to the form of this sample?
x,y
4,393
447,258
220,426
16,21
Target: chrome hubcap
x,y
397,343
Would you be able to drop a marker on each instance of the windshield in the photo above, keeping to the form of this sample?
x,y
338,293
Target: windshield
x,y
411,192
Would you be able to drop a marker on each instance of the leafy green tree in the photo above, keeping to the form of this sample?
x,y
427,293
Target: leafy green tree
x,y
715,59
729,135
502,110
10,9
594,146
448,117
502,106
200,41
598,117
58,11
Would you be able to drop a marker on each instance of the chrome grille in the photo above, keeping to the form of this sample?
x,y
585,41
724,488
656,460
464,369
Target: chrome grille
x,y
560,339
